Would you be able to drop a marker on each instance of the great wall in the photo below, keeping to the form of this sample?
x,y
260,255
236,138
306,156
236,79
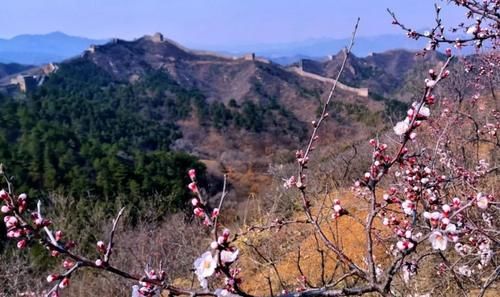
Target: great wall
x,y
362,92
26,83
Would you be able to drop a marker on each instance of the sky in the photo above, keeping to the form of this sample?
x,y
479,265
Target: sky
x,y
208,22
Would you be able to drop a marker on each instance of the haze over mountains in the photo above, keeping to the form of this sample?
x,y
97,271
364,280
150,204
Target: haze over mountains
x,y
41,49
57,46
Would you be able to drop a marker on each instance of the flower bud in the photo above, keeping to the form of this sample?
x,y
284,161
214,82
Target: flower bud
x,y
21,244
195,202
4,195
64,283
101,246
214,245
98,263
68,264
5,209
59,235
192,174
53,277
198,212
193,187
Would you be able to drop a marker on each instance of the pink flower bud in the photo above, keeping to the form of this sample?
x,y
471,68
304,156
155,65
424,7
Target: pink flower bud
x,y
4,195
98,262
198,212
23,196
22,206
6,209
10,221
413,135
101,246
21,244
38,221
54,253
67,264
215,213
221,240
195,202
16,233
214,245
192,174
193,187
53,277
59,235
448,52
64,283
226,233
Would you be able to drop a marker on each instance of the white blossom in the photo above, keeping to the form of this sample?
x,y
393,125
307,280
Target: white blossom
x,y
482,201
465,271
228,256
205,267
439,240
402,127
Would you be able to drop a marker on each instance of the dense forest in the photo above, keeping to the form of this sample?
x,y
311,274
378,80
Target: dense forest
x,y
87,136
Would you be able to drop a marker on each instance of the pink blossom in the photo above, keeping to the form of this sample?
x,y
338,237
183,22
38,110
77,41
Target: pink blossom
x,y
404,245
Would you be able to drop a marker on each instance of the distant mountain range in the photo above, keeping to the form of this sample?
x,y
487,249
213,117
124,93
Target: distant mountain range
x,y
57,46
285,53
42,49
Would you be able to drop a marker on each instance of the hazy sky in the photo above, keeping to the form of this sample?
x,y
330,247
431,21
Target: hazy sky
x,y
213,21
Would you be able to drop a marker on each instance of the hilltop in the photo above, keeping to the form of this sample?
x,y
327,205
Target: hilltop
x,y
125,102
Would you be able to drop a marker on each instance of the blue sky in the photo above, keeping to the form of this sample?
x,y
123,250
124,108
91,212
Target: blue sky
x,y
207,22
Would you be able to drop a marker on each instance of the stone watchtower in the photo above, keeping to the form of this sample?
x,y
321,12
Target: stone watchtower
x,y
157,37
25,83
249,57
